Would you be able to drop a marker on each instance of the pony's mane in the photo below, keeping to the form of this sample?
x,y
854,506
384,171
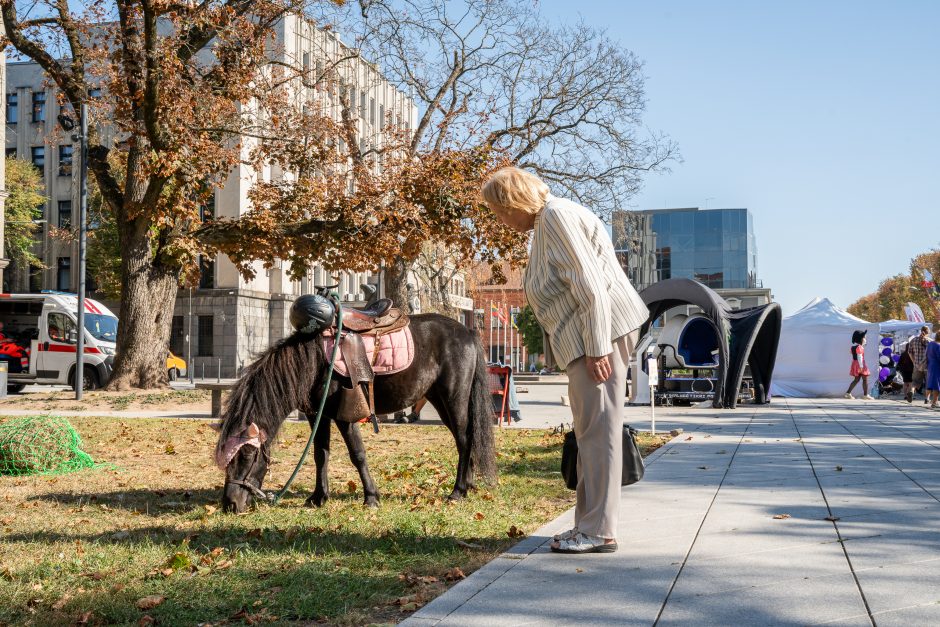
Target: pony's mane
x,y
273,386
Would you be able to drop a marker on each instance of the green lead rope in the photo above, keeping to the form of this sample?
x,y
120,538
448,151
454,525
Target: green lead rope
x,y
275,498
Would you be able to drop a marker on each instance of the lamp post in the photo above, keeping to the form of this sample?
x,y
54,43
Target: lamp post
x,y
189,339
68,124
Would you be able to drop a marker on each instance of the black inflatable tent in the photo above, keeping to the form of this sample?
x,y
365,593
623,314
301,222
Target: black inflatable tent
x,y
745,336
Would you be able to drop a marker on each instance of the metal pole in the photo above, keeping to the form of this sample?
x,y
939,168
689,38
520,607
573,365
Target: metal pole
x,y
491,332
189,340
82,240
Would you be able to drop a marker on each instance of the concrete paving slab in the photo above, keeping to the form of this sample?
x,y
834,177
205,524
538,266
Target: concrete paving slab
x,y
700,545
790,602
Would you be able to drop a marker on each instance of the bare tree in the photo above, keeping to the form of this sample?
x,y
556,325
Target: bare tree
x,y
491,75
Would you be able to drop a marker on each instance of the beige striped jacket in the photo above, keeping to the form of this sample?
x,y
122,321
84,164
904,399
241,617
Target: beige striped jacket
x,y
575,285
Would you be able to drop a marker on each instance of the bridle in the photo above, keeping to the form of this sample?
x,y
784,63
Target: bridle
x,y
260,453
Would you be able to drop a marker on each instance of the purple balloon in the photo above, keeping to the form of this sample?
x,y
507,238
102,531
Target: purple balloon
x,y
886,341
883,374
886,352
896,358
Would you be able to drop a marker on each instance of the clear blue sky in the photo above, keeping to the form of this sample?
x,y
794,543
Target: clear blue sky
x,y
822,118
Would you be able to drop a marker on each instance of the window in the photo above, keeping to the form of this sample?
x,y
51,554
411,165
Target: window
x,y
362,105
39,106
206,273
352,100
306,61
63,281
61,328
204,338
65,161
12,108
38,156
207,210
382,114
65,214
372,111
11,153
35,279
177,336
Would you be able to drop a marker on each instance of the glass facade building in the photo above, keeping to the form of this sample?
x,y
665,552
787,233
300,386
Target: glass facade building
x,y
714,246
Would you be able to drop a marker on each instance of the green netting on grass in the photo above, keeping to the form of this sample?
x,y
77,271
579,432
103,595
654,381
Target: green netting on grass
x,y
41,445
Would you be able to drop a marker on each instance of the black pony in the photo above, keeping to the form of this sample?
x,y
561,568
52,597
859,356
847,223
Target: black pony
x,y
449,370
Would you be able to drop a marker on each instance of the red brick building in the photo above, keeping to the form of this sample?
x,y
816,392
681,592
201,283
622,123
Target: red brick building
x,y
492,304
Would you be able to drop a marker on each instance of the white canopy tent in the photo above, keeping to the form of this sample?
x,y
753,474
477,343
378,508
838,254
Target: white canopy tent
x,y
902,329
813,358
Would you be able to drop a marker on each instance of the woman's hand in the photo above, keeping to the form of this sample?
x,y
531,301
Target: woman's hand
x,y
599,368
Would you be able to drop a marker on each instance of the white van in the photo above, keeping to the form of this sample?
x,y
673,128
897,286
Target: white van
x,y
39,336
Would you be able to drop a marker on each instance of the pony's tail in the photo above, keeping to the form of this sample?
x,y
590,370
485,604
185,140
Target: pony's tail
x,y
482,443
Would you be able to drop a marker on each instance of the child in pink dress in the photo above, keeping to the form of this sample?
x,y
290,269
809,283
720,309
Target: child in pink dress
x,y
859,370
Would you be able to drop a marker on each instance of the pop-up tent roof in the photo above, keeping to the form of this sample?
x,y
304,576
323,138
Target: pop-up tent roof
x,y
901,326
814,355
746,337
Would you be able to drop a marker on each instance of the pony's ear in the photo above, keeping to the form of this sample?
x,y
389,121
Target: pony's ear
x,y
252,431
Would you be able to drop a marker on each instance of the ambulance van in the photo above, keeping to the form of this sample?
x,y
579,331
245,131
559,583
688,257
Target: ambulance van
x,y
39,334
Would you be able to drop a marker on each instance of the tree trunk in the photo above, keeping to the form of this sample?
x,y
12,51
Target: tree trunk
x,y
396,282
148,294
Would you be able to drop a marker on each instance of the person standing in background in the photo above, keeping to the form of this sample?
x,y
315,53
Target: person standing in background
x,y
859,370
906,368
932,383
918,349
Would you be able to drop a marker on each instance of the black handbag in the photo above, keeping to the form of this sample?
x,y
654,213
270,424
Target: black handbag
x,y
632,459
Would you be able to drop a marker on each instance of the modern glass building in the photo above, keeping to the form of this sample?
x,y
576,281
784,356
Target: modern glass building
x,y
714,246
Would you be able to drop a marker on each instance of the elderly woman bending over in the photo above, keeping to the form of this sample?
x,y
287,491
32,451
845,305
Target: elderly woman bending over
x,y
590,314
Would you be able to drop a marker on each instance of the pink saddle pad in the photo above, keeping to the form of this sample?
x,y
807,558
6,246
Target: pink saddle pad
x,y
396,352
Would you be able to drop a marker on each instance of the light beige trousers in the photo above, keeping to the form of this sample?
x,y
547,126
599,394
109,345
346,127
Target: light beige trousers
x,y
597,409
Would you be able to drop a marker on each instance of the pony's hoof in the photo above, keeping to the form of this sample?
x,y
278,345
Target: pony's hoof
x,y
316,500
456,495
371,502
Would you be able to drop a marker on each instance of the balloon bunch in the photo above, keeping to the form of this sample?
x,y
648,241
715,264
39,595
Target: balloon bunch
x,y
887,359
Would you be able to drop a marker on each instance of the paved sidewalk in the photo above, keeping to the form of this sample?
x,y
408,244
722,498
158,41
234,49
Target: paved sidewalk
x,y
801,512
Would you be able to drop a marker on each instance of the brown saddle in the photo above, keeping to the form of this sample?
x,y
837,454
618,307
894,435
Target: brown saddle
x,y
376,319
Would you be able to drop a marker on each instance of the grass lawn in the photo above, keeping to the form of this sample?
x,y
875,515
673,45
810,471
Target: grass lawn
x,y
143,540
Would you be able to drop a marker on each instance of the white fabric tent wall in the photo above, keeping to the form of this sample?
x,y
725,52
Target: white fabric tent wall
x,y
813,358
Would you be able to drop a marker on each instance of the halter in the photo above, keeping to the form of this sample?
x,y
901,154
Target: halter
x,y
255,489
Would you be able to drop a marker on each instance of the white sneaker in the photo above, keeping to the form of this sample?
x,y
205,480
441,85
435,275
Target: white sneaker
x,y
565,535
847,395
868,397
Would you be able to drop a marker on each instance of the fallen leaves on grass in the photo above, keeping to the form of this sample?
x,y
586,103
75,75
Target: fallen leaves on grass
x,y
515,532
479,516
468,545
454,574
150,602
350,486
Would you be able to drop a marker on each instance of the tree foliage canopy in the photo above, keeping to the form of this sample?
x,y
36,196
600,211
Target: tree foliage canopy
x,y
191,92
894,293
23,207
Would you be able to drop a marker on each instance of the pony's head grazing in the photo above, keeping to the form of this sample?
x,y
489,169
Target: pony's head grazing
x,y
278,382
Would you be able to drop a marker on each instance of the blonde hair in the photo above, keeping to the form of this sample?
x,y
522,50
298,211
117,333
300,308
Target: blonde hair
x,y
516,190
